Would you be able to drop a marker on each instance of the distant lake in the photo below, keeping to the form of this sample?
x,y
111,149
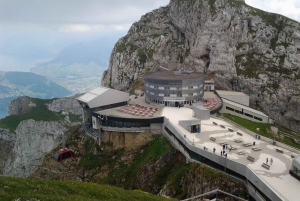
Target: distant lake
x,y
3,113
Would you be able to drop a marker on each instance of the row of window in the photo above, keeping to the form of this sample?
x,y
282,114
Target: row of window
x,y
175,95
246,114
172,103
120,124
178,88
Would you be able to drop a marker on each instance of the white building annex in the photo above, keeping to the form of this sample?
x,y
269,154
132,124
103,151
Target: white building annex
x,y
231,107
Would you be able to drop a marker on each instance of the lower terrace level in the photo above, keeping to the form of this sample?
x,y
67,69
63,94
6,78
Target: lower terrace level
x,y
272,181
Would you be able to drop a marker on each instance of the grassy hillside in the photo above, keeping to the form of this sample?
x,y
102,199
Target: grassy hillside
x,y
151,168
264,129
16,188
38,113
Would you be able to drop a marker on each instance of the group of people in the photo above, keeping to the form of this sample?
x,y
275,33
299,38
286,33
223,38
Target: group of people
x,y
225,146
223,153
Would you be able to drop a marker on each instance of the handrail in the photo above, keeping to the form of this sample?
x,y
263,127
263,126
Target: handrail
x,y
189,144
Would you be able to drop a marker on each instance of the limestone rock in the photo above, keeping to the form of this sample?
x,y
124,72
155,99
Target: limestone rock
x,y
20,106
33,141
7,141
226,38
67,105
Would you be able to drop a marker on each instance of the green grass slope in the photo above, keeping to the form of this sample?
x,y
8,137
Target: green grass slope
x,y
264,129
25,189
39,113
151,168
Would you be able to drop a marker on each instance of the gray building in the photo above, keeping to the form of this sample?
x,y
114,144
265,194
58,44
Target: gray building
x,y
101,98
172,88
237,109
295,169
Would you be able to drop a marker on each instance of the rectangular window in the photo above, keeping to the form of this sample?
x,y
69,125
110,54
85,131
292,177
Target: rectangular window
x,y
155,87
237,111
229,108
167,88
248,115
190,94
190,87
167,95
257,118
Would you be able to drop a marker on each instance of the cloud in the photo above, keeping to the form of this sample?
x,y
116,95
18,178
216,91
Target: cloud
x,y
81,28
288,8
76,15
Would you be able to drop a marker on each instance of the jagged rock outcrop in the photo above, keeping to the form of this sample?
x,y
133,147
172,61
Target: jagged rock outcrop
x,y
7,142
22,152
19,106
246,49
34,139
67,104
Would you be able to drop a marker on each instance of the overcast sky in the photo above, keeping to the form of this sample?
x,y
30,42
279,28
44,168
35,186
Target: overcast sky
x,y
45,27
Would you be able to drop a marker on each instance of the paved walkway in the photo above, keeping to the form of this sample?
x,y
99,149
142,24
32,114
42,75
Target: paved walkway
x,y
277,176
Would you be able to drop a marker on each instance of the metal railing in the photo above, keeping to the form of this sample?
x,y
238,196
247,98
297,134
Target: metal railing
x,y
189,144
88,128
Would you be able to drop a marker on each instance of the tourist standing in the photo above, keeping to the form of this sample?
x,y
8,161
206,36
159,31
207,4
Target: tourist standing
x,y
271,161
221,152
267,160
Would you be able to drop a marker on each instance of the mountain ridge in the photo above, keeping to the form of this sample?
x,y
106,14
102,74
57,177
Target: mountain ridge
x,y
241,47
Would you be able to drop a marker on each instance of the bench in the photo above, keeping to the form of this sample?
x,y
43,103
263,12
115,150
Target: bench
x,y
265,166
250,158
222,143
239,133
257,148
230,129
215,123
238,140
233,148
222,126
241,152
247,144
212,139
279,150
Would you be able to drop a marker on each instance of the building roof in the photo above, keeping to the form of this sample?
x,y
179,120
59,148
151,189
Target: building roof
x,y
169,75
231,93
101,96
243,107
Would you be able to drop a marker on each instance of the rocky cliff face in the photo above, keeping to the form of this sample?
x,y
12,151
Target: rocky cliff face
x,y
67,104
7,142
33,141
23,151
244,48
20,106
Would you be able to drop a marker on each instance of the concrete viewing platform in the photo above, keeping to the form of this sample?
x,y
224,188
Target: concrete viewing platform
x,y
216,132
